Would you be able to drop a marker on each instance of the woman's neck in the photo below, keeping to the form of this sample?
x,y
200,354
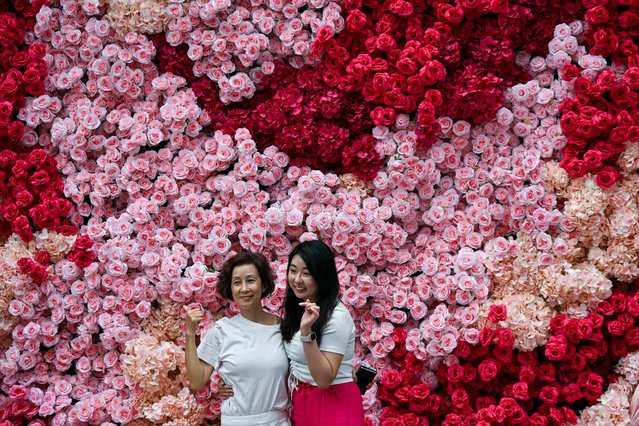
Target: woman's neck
x,y
258,315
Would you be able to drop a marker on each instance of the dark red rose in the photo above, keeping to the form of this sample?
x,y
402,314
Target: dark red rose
x,y
486,336
385,43
455,373
402,394
42,257
40,178
411,419
470,373
526,374
549,394
607,176
39,273
546,372
538,420
10,212
22,227
25,265
324,34
383,116
83,243
631,78
574,167
15,130
437,405
356,21
391,379
593,160
571,393
23,199
570,71
488,370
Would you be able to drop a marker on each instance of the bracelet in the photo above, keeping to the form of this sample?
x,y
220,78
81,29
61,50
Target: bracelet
x,y
308,339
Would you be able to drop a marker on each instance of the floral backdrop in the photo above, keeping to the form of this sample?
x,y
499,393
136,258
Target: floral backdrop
x,y
472,163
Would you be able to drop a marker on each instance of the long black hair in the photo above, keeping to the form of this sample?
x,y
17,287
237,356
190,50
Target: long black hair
x,y
320,262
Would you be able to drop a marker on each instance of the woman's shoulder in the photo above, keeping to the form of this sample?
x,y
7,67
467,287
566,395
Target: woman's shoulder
x,y
341,313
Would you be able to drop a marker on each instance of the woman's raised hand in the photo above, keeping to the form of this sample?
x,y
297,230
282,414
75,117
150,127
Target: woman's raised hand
x,y
192,316
311,314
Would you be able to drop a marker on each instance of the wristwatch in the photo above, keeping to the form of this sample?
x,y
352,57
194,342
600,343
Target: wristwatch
x,y
308,339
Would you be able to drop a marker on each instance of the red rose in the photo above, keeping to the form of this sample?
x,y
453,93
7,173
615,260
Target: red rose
x,y
419,392
18,392
570,71
411,419
81,258
593,160
401,8
632,337
577,362
324,34
503,355
538,420
383,116
436,405
574,167
23,199
509,405
42,257
486,336
488,370
37,50
556,348
631,78
83,242
520,391
402,394
571,393
356,21
594,382
385,43
526,374
455,374
452,420
504,337
615,328
22,227
607,177
497,313
546,372
470,373
10,212
549,394
39,273
618,348
497,413
40,178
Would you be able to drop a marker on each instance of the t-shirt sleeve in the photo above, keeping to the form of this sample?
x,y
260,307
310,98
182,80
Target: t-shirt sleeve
x,y
338,332
209,348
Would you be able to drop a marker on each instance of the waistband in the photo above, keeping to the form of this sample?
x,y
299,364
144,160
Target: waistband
x,y
264,419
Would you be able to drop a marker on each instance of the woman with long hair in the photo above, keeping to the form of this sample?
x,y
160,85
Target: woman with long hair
x,y
319,338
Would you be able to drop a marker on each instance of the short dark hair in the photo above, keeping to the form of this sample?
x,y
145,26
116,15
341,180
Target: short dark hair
x,y
320,262
245,258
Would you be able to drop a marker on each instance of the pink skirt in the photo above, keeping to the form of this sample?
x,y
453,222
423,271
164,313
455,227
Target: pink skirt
x,y
338,405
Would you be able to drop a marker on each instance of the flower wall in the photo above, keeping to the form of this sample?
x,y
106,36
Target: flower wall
x,y
473,165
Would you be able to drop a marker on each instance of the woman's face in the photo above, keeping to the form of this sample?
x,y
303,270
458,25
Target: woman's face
x,y
301,281
246,286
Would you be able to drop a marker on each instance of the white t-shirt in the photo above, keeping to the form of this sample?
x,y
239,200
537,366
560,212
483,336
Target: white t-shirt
x,y
338,336
250,357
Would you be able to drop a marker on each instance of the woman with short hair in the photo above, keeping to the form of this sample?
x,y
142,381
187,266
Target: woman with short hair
x,y
246,350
